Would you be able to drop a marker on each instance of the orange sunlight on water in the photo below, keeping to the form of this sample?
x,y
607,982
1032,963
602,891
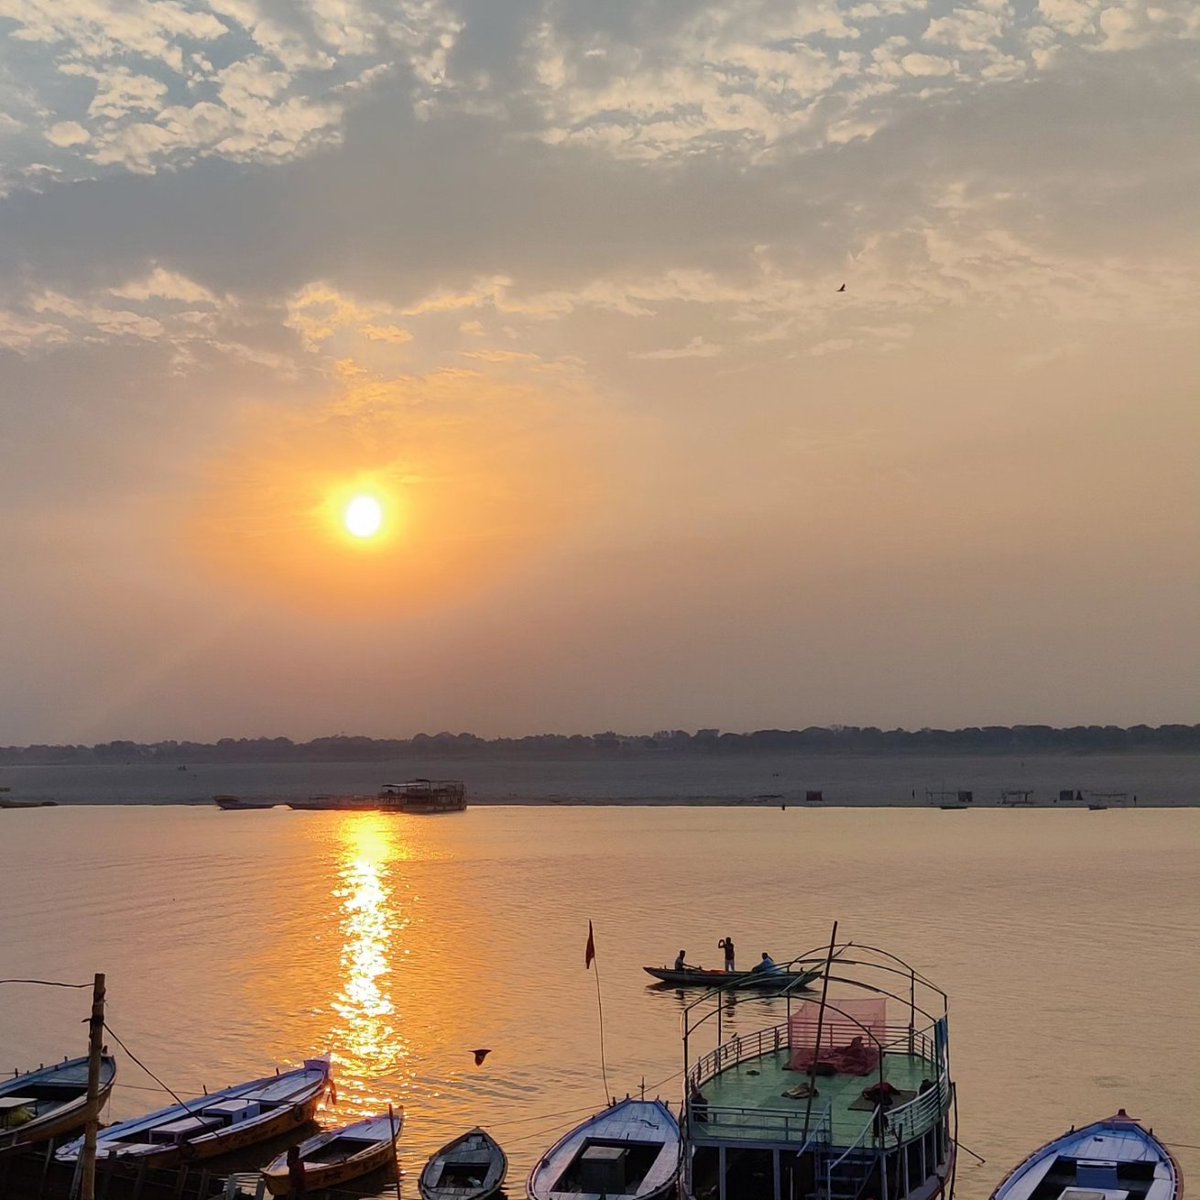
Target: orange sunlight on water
x,y
367,1043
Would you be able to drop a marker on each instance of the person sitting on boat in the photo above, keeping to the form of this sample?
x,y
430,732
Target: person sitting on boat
x,y
698,1103
681,963
726,944
768,966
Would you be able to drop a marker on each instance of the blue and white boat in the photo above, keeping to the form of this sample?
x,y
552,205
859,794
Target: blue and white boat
x,y
1114,1159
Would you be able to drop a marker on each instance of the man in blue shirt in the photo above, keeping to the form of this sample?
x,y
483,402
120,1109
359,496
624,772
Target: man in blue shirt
x,y
768,966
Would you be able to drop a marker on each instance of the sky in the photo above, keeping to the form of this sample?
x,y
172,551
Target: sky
x,y
558,283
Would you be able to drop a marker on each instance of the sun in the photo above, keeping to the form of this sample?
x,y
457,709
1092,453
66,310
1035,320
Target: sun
x,y
363,516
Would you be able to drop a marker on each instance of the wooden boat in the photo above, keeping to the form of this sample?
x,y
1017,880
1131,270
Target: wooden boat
x,y
1117,1157
695,977
633,1149
471,1167
50,1101
338,1155
215,1124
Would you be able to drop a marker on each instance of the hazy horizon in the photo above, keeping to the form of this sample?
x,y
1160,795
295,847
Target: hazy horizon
x,y
558,285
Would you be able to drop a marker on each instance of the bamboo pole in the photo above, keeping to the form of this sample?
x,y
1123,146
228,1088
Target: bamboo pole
x,y
395,1156
95,1049
812,1066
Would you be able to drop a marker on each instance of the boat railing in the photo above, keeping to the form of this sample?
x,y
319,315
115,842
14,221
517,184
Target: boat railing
x,y
739,1048
893,1039
853,1153
908,1121
763,1124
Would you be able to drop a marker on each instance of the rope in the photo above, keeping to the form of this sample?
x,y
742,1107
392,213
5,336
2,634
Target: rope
x,y
141,1064
47,983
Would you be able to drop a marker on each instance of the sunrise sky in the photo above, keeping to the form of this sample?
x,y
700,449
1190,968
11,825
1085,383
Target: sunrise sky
x,y
555,283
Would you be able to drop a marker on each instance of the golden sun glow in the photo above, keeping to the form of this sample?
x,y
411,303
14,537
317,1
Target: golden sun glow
x,y
363,516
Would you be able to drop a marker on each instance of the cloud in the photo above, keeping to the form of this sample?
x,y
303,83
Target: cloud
x,y
696,348
67,133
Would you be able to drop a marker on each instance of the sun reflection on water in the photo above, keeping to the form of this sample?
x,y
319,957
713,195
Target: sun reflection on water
x,y
370,1054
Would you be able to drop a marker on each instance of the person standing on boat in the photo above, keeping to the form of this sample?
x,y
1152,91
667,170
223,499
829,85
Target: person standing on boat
x,y
726,944
768,966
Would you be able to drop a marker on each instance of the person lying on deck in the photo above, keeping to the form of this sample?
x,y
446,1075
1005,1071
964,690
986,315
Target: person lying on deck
x,y
768,966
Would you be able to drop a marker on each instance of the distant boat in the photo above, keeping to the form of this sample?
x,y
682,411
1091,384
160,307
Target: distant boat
x,y
631,1151
472,1167
695,977
215,1124
235,803
338,1155
1017,798
950,801
4,803
413,796
50,1101
1113,1158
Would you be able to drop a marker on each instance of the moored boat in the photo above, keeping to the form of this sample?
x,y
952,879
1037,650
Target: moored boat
x,y
50,1101
849,1097
633,1149
471,1167
338,1155
1116,1159
215,1124
696,977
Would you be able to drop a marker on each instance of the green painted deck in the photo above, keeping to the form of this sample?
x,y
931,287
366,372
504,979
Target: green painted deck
x,y
746,1101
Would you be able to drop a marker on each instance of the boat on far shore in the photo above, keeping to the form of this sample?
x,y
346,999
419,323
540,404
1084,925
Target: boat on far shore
x,y
412,796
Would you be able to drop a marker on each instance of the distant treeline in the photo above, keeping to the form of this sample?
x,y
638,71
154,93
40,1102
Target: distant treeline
x,y
837,739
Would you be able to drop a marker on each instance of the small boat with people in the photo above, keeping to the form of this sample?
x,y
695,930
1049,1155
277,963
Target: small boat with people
x,y
633,1150
336,1156
471,1167
755,980
216,1123
50,1101
1114,1159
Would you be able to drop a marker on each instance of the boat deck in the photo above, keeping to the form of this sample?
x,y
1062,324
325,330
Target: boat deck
x,y
746,1101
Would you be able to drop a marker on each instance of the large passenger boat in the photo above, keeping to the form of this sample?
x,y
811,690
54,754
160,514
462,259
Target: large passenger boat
x,y
413,796
848,1097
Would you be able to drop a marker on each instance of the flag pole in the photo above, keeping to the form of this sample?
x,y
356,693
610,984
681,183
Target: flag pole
x,y
589,958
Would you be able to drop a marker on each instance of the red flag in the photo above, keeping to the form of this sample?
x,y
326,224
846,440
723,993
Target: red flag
x,y
590,953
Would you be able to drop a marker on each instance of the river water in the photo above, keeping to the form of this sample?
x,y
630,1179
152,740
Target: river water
x,y
233,942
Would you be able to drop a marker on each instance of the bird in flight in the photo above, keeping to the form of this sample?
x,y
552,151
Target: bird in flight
x,y
842,288
480,1055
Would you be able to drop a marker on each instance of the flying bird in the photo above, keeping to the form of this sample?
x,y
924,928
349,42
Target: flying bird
x,y
842,288
480,1055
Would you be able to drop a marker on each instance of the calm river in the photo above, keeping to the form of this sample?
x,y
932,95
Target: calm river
x,y
233,942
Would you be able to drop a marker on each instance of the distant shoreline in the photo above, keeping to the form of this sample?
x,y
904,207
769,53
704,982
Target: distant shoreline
x,y
644,780
648,802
